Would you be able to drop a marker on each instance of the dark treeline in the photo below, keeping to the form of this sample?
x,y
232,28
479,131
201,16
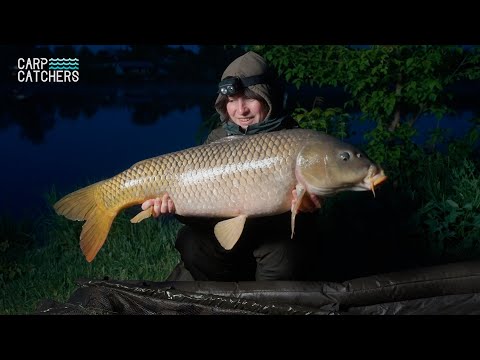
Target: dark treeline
x,y
134,63
149,80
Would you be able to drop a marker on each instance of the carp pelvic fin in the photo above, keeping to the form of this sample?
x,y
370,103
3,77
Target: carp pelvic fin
x,y
82,205
228,231
300,190
145,214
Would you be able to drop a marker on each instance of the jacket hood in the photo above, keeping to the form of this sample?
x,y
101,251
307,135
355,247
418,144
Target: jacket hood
x,y
251,64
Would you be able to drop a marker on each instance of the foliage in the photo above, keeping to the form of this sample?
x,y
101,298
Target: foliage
x,y
332,121
459,149
452,213
382,80
393,86
397,153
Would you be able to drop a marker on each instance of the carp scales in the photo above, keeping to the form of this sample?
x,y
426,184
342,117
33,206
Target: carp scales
x,y
235,178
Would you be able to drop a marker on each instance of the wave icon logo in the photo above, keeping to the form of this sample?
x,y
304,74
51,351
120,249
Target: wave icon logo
x,y
63,64
34,70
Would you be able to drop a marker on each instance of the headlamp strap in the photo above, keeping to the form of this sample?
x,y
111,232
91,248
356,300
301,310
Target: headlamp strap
x,y
253,80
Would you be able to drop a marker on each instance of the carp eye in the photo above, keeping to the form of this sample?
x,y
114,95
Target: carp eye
x,y
345,156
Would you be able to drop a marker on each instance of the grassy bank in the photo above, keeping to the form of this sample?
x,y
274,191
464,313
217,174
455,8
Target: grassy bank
x,y
142,251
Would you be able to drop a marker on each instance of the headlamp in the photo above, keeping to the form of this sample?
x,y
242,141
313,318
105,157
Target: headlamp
x,y
233,85
230,86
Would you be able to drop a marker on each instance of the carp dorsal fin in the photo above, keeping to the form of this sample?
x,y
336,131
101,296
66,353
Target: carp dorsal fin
x,y
228,231
227,138
300,190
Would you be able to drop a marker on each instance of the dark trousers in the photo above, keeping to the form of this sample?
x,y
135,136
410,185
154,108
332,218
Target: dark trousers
x,y
269,255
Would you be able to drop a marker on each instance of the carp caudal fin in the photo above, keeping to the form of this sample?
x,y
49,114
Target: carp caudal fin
x,y
82,205
228,231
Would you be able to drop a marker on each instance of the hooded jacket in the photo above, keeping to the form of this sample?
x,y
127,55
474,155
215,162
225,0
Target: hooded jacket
x,y
249,64
252,64
263,238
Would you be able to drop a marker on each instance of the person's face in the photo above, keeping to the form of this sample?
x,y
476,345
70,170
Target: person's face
x,y
245,112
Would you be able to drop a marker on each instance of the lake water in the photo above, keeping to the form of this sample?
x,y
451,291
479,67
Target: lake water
x,y
69,150
68,139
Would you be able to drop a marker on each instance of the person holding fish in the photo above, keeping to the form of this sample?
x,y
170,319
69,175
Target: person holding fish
x,y
247,197
250,101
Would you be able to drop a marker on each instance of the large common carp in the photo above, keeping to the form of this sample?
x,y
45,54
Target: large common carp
x,y
235,178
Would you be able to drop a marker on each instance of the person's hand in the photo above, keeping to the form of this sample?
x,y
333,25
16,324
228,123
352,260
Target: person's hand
x,y
310,202
163,205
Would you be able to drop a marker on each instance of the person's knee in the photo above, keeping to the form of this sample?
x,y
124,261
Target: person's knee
x,y
276,261
198,254
186,244
183,238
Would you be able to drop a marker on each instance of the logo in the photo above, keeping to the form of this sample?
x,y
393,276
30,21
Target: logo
x,y
45,70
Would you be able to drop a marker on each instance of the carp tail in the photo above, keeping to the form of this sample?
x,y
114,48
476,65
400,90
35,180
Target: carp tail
x,y
82,205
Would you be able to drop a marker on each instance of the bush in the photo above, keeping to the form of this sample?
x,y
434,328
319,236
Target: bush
x,y
451,216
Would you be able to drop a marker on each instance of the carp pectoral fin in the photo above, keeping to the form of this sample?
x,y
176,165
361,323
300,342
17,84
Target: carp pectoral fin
x,y
228,231
145,214
300,190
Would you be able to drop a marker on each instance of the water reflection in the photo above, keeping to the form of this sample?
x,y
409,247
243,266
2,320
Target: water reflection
x,y
71,138
35,109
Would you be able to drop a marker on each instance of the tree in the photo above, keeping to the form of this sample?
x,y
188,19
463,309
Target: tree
x,y
391,84
65,52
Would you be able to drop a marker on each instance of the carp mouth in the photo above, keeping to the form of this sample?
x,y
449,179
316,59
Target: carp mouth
x,y
373,179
